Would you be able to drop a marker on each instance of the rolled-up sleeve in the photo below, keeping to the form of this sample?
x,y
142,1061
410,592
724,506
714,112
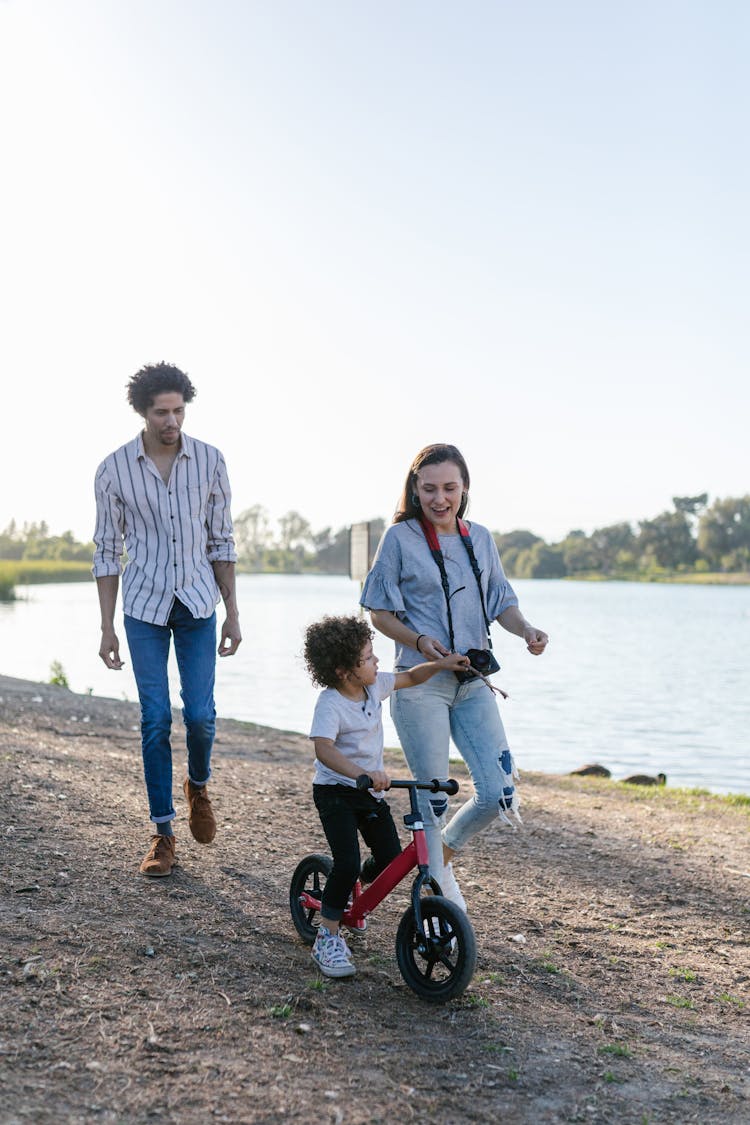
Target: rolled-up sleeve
x,y
220,542
108,533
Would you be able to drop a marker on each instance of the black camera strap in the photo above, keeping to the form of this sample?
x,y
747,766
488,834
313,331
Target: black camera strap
x,y
434,544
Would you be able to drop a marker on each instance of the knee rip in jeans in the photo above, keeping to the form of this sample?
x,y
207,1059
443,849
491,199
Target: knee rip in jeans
x,y
505,763
439,806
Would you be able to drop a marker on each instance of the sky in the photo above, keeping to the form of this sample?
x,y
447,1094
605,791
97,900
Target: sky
x,y
365,227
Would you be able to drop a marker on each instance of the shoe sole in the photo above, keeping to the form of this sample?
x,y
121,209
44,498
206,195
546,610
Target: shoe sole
x,y
155,874
343,971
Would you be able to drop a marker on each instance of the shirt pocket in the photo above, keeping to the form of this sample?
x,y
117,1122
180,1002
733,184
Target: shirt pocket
x,y
195,501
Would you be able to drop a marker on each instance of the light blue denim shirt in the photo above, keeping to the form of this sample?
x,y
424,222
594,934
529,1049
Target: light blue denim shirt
x,y
405,579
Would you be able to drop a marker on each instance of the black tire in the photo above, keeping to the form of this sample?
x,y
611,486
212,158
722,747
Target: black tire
x,y
438,963
310,875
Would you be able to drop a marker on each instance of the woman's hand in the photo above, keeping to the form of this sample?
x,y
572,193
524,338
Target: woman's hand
x,y
431,648
536,640
514,621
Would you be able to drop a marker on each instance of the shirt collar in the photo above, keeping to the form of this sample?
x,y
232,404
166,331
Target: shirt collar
x,y
186,446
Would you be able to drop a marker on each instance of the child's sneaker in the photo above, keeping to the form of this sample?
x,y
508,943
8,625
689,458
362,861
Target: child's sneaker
x,y
331,954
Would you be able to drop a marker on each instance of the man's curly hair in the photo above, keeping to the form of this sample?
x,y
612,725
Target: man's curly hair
x,y
157,379
335,643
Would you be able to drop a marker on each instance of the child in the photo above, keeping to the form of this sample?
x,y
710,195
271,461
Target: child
x,y
347,732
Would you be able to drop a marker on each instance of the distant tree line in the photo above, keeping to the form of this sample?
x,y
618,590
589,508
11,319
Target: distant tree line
x,y
33,542
690,537
292,547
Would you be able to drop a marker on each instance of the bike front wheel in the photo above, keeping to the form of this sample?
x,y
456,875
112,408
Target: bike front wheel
x,y
437,960
309,877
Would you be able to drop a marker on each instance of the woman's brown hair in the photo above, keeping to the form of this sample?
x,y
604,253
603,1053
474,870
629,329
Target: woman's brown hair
x,y
408,505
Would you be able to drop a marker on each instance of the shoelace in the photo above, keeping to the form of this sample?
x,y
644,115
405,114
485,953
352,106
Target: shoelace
x,y
334,948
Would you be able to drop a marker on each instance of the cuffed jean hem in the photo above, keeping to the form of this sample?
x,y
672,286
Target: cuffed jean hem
x,y
163,819
200,784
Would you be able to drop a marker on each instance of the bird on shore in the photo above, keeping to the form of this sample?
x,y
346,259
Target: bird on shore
x,y
593,770
645,779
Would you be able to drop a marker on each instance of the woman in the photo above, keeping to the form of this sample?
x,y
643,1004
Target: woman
x,y
434,587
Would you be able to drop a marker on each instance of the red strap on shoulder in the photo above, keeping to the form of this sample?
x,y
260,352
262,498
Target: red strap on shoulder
x,y
431,535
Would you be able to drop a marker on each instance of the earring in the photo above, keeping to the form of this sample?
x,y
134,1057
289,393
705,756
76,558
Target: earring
x,y
415,499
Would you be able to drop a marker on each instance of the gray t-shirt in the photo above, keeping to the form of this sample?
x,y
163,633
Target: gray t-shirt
x,y
354,726
405,579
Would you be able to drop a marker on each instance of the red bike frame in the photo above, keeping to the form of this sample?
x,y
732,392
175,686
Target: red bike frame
x,y
415,854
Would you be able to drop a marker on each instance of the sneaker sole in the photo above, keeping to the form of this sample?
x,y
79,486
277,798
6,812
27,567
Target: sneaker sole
x,y
336,971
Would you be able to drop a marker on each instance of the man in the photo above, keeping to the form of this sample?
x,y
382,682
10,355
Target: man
x,y
166,497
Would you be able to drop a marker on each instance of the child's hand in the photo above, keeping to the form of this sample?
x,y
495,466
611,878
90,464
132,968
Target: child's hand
x,y
380,780
454,662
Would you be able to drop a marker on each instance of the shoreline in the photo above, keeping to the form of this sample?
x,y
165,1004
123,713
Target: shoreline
x,y
85,701
41,572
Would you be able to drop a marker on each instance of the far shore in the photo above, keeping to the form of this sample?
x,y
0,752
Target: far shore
x,y
14,573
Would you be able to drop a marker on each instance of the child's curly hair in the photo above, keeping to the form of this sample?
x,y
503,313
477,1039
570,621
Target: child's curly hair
x,y
334,643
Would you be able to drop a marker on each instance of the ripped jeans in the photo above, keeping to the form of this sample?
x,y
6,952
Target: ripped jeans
x,y
426,717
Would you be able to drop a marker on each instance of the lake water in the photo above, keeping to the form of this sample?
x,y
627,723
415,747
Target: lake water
x,y
642,678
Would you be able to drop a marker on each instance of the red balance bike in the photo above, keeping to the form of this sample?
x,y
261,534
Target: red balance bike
x,y
435,944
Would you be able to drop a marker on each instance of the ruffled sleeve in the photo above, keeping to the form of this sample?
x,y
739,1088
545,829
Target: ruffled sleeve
x,y
381,592
500,595
382,585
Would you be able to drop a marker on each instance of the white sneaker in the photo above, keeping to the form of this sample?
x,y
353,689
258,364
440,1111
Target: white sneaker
x,y
450,887
331,954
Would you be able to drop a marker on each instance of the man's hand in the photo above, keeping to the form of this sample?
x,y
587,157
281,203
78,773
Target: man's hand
x,y
230,637
109,650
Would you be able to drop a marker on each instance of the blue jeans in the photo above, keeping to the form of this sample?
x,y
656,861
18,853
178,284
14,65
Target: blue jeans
x,y
195,649
426,717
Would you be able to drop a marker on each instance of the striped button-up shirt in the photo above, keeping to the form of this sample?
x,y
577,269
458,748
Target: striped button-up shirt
x,y
171,532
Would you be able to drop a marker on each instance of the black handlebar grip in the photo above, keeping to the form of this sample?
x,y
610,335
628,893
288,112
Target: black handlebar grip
x,y
364,781
450,786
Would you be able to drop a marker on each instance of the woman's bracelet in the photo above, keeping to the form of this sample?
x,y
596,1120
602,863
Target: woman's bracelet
x,y
416,644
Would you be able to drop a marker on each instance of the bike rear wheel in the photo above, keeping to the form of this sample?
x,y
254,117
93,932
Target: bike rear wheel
x,y
309,876
437,960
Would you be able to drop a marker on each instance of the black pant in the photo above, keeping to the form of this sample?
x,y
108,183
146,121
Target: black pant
x,y
343,810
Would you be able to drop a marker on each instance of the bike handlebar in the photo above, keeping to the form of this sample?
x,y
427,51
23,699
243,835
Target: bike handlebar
x,y
449,786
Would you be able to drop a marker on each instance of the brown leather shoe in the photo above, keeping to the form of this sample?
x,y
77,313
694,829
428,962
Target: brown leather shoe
x,y
160,857
201,819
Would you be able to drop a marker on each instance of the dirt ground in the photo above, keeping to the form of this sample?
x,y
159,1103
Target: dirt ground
x,y
612,976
